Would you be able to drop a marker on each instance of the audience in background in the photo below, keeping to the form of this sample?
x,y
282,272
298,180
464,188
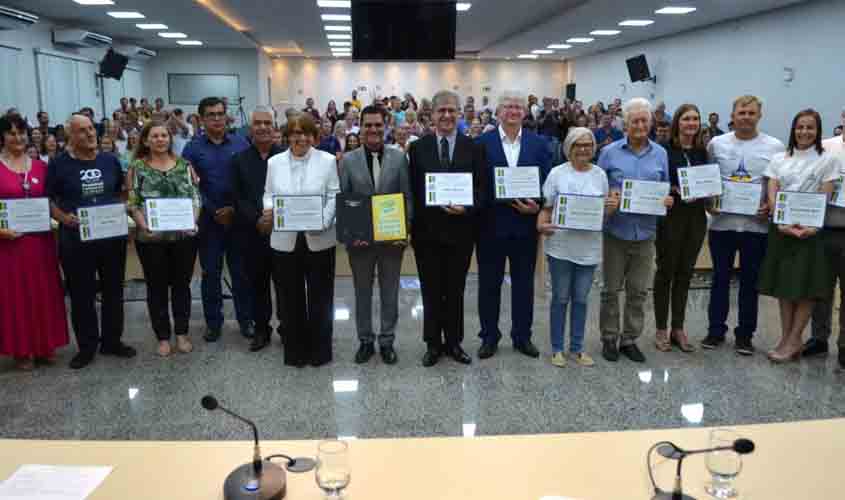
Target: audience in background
x,y
713,125
352,142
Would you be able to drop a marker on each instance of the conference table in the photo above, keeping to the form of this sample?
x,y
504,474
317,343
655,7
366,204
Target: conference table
x,y
792,461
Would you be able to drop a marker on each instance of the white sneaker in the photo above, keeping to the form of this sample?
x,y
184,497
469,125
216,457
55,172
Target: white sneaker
x,y
559,360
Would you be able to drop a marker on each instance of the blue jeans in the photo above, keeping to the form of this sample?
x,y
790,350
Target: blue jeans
x,y
723,248
570,282
214,243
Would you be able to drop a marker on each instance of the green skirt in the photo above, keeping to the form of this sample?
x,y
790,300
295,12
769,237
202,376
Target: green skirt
x,y
795,269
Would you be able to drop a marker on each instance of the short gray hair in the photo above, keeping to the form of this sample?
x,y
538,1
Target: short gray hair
x,y
263,109
444,95
572,137
512,95
636,105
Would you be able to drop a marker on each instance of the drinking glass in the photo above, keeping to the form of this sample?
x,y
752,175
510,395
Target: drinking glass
x,y
724,465
333,472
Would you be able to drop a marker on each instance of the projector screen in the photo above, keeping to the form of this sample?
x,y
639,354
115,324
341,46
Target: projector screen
x,y
190,89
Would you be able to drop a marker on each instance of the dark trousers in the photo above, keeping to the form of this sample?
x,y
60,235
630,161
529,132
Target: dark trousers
x,y
834,242
308,303
258,261
443,270
724,246
168,269
679,238
521,255
83,263
215,242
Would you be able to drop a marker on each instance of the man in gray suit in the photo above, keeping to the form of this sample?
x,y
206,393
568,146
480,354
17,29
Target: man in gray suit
x,y
375,169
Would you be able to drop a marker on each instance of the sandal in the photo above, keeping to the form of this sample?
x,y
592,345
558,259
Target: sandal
x,y
164,348
661,341
680,339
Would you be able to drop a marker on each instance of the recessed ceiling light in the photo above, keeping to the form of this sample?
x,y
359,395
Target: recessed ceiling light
x,y
542,51
527,56
330,27
463,6
173,35
605,32
125,15
336,17
559,46
94,2
339,37
675,10
636,22
341,4
152,26
340,44
580,40
189,42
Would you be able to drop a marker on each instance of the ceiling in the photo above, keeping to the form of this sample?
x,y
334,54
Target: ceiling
x,y
491,29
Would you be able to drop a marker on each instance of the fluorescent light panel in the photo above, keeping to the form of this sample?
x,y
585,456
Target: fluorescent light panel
x,y
152,26
189,42
94,2
527,56
542,51
339,37
559,46
580,40
636,22
463,6
675,10
605,32
330,27
343,54
337,4
340,44
336,17
125,15
173,35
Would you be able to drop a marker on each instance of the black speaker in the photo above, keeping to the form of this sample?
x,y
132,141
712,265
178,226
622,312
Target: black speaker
x,y
570,91
638,68
113,64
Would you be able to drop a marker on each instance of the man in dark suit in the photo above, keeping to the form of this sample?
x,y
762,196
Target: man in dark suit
x,y
443,237
248,179
368,170
508,230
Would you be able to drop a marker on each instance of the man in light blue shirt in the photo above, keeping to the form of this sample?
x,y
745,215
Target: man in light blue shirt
x,y
629,238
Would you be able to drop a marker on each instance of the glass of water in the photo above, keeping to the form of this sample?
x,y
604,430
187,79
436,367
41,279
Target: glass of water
x,y
724,465
333,471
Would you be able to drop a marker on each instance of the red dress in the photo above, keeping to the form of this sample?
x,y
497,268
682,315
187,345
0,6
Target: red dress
x,y
33,321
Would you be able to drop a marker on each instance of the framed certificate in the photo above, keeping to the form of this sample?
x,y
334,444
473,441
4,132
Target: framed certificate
x,y
739,198
804,209
298,213
837,198
389,222
25,215
517,183
580,212
102,222
702,181
644,197
448,189
170,214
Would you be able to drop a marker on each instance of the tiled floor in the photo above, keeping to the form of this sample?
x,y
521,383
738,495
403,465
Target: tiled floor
x,y
152,398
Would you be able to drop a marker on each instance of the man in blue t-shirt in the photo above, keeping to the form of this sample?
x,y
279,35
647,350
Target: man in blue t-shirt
x,y
211,156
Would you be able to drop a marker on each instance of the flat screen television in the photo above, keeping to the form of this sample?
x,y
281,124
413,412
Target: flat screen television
x,y
403,30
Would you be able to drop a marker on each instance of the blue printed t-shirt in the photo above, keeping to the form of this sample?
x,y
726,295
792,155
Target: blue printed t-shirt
x,y
73,183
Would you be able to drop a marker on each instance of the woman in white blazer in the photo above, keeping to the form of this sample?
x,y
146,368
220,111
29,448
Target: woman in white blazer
x,y
305,259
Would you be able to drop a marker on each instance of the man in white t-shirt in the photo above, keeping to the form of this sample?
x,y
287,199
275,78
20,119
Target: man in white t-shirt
x,y
743,156
834,239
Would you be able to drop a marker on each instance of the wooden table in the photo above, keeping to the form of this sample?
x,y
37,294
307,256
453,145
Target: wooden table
x,y
794,461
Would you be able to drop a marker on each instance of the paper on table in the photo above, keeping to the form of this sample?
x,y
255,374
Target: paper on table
x,y
53,482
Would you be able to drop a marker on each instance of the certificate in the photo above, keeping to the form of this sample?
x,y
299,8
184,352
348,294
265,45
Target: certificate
x,y
804,209
298,213
170,214
26,215
581,212
644,197
101,222
837,198
740,198
448,189
703,181
517,183
389,223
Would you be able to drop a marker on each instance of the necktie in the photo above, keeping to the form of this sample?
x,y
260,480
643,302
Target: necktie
x,y
444,153
376,172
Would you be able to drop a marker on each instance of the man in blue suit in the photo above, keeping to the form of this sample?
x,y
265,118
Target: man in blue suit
x,y
508,230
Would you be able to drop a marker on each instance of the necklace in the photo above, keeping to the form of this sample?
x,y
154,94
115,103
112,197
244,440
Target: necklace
x,y
23,176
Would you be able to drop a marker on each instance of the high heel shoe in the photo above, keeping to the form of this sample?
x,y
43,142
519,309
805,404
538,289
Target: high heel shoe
x,y
680,339
778,358
662,341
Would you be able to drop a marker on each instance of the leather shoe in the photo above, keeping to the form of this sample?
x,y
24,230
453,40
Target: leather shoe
x,y
528,349
248,330
431,356
212,334
814,347
609,351
120,350
365,352
259,341
632,352
388,355
487,350
459,355
81,360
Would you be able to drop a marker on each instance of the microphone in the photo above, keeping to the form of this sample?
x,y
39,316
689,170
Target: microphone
x,y
674,452
210,403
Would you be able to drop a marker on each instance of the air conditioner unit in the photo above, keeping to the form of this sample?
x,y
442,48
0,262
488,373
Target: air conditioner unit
x,y
135,52
80,38
12,19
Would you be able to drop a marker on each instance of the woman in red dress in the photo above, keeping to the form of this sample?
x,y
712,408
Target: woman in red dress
x,y
33,322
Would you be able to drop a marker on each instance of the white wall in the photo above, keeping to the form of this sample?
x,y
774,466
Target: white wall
x,y
295,79
711,66
242,62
